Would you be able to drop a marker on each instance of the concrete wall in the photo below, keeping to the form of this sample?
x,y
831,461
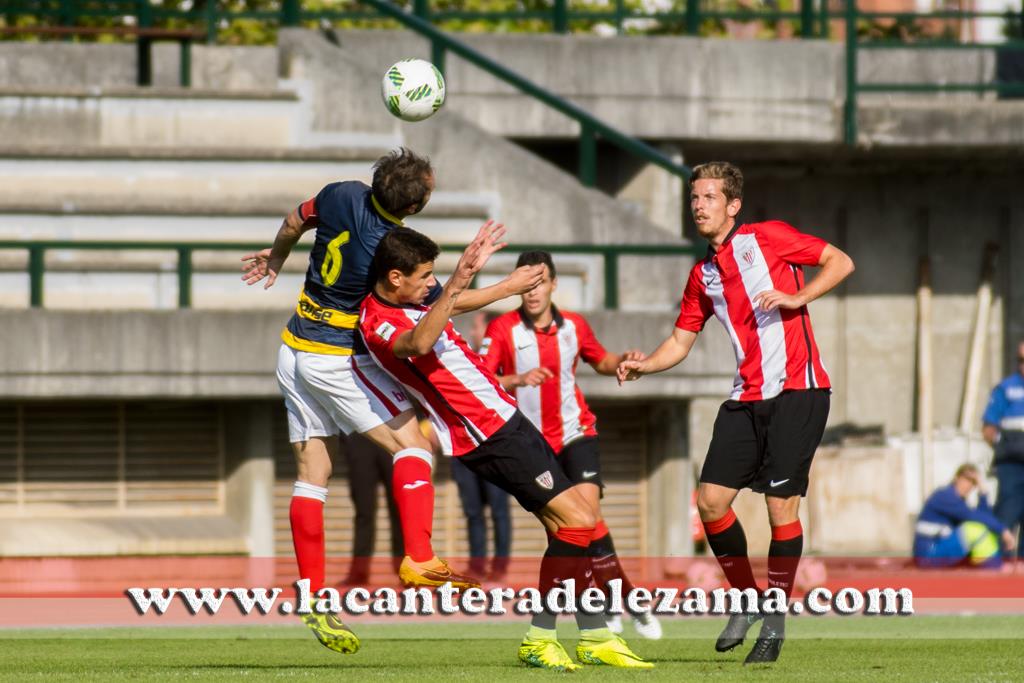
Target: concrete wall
x,y
700,88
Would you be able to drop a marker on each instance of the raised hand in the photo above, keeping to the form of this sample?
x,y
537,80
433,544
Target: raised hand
x,y
525,278
475,256
633,354
257,266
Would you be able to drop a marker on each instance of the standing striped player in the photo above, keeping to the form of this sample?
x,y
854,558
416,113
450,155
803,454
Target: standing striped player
x,y
766,434
534,350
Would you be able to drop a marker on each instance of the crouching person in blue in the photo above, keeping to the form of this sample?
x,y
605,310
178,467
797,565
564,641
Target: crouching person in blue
x,y
950,532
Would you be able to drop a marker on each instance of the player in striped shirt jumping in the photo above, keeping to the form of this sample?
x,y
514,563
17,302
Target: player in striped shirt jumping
x,y
766,434
534,351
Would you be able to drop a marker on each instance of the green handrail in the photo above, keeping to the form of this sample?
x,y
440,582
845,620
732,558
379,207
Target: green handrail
x,y
610,254
590,126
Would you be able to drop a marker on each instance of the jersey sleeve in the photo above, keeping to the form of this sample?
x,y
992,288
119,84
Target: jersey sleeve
x,y
434,294
790,244
380,332
996,408
494,349
695,308
591,350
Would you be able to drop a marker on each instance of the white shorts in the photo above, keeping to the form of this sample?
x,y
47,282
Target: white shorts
x,y
327,394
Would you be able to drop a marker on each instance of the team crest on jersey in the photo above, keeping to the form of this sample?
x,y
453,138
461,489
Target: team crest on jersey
x,y
385,331
748,256
546,481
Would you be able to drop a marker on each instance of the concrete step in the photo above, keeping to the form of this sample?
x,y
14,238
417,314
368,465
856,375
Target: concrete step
x,y
166,117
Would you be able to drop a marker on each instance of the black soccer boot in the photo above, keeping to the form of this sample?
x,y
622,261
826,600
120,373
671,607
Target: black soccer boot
x,y
736,630
769,641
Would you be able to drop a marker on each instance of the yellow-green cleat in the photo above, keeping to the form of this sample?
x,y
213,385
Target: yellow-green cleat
x,y
613,652
546,654
331,632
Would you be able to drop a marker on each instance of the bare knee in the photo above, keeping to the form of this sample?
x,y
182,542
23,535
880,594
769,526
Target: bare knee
x,y
782,510
712,504
313,460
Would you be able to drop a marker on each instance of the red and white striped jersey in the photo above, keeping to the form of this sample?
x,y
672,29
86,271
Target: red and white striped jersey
x,y
775,350
513,346
465,401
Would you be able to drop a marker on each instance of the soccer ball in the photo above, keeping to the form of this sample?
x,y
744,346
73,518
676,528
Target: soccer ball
x,y
413,89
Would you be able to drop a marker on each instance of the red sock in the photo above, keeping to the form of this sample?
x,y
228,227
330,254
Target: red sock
x,y
414,495
307,518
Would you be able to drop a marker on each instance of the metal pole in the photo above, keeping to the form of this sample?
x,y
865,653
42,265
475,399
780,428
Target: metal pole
x,y
806,18
36,266
560,16
437,54
421,8
850,108
692,17
611,280
185,65
588,156
289,12
184,277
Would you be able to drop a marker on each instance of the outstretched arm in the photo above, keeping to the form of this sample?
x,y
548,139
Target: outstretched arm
x,y
522,280
420,339
267,263
671,352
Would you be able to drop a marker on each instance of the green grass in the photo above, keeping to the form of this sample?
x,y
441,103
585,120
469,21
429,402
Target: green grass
x,y
831,649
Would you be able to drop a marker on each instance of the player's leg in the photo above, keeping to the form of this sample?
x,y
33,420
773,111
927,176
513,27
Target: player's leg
x,y
361,397
732,461
795,423
362,487
501,517
581,462
471,496
528,467
314,440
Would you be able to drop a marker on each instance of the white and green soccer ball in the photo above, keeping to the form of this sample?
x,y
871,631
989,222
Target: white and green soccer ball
x,y
413,89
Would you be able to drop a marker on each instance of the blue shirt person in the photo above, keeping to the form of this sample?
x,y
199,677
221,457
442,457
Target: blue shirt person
x,y
950,532
1004,430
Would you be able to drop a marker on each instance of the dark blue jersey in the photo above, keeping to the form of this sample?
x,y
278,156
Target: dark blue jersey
x,y
349,226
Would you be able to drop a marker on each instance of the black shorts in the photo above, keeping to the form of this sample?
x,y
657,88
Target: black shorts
x,y
581,461
517,459
767,445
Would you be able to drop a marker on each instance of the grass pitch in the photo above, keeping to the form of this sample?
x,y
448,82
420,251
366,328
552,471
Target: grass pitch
x,y
831,649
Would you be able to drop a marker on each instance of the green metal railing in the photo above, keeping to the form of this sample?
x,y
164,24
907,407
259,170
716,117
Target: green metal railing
x,y
37,258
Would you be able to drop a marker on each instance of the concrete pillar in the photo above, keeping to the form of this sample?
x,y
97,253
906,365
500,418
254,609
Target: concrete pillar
x,y
249,474
658,193
669,483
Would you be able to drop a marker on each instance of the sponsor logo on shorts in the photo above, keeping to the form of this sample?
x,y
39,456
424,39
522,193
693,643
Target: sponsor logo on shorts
x,y
780,482
416,484
385,331
546,481
589,474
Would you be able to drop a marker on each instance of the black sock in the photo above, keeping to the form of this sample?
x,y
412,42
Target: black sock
x,y
729,544
784,556
563,559
606,565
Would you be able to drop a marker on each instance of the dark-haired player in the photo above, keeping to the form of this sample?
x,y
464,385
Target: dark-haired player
x,y
767,432
534,351
331,385
477,422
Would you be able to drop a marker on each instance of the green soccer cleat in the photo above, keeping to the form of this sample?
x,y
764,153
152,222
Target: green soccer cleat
x,y
331,632
614,652
546,654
